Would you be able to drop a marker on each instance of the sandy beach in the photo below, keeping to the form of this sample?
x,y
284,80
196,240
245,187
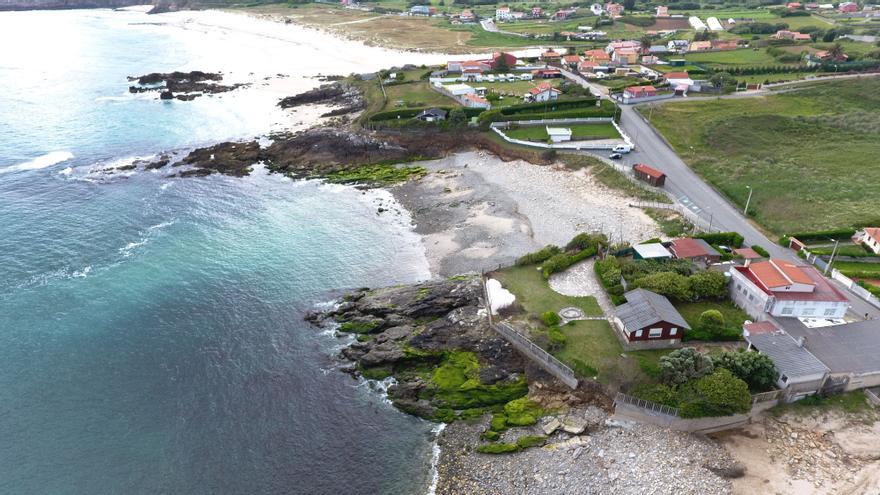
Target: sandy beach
x,y
476,212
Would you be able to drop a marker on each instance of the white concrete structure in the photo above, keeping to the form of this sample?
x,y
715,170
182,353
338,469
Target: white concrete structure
x,y
653,251
714,25
782,289
503,14
870,238
559,134
596,9
697,24
459,89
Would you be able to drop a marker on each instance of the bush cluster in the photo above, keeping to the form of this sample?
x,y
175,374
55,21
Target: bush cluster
x,y
608,272
730,239
543,254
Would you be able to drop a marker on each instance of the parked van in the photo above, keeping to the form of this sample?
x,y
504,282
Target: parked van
x,y
622,148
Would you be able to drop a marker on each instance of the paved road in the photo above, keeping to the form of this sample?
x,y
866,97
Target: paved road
x,y
692,192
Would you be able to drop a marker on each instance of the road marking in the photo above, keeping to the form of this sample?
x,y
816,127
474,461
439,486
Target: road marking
x,y
687,203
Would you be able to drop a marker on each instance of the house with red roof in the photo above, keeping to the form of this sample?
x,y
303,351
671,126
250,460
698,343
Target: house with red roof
x,y
614,10
471,100
625,55
785,34
782,288
546,74
571,60
662,11
587,66
695,250
848,7
542,92
870,238
550,56
598,56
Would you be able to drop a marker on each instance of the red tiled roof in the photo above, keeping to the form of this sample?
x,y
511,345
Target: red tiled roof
x,y
823,290
776,273
689,248
542,88
873,232
760,327
645,169
572,58
747,253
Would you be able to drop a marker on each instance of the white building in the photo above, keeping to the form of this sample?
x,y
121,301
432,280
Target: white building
x,y
870,238
714,24
596,9
542,92
697,24
559,134
782,289
503,14
459,89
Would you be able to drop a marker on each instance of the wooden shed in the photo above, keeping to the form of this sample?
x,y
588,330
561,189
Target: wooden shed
x,y
648,174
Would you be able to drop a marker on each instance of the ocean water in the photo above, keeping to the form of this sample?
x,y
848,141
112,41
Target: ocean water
x,y
151,332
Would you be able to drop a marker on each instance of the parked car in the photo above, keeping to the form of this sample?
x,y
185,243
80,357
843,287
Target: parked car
x,y
622,148
615,156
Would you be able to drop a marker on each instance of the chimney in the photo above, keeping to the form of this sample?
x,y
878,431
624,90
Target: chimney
x,y
747,263
801,340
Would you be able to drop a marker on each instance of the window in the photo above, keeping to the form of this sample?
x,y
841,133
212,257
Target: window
x,y
673,331
655,332
787,311
809,311
784,379
830,312
638,333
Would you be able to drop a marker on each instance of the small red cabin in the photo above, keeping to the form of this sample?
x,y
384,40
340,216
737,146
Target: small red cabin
x,y
650,175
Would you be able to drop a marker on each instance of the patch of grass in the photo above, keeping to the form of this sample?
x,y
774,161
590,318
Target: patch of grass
x,y
578,132
809,154
691,311
455,384
414,94
536,296
853,266
377,373
854,402
530,441
357,327
522,412
613,179
380,175
498,448
733,58
672,224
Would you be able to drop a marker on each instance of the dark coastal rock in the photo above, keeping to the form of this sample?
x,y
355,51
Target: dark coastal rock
x,y
348,98
228,158
161,162
184,86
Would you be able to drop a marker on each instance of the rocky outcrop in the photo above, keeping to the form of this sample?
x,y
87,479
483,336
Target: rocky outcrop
x,y
229,158
184,86
407,328
348,99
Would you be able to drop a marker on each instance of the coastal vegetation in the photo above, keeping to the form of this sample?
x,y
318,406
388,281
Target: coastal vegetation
x,y
807,153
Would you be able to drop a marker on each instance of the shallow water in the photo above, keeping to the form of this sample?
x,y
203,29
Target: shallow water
x,y
151,333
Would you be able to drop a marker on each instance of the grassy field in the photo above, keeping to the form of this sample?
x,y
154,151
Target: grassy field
x,y
536,296
809,154
691,311
580,131
733,58
853,266
415,94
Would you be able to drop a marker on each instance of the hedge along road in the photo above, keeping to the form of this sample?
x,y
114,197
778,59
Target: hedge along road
x,y
692,192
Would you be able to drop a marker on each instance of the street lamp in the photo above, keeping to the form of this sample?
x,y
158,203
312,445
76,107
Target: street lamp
x,y
746,209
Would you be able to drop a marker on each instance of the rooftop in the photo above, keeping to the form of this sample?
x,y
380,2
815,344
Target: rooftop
x,y
747,253
654,250
849,348
692,248
790,358
652,172
644,308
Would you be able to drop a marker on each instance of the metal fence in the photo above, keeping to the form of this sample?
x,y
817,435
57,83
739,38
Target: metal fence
x,y
541,357
772,395
645,404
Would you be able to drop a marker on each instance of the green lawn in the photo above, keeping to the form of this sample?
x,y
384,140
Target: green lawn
x,y
691,311
853,266
578,132
536,296
744,56
415,94
809,154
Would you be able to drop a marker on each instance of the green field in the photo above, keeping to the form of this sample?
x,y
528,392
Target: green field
x,y
536,296
809,154
691,311
854,266
733,58
579,131
414,94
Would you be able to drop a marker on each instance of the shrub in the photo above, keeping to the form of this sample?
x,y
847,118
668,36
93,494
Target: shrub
x,y
498,448
529,108
582,368
682,365
562,261
550,319
717,394
530,441
725,334
669,284
490,435
707,285
821,235
522,412
498,423
758,249
557,338
658,392
586,240
731,239
757,370
538,256
712,318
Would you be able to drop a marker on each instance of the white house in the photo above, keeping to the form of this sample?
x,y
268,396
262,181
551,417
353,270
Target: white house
x,y
782,289
870,238
471,100
503,14
596,9
542,92
559,134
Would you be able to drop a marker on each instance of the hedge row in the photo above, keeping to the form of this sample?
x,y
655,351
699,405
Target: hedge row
x,y
730,239
594,112
562,261
608,273
543,254
819,235
542,107
408,113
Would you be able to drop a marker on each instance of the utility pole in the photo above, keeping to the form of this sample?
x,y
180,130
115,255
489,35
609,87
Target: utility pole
x,y
833,252
746,209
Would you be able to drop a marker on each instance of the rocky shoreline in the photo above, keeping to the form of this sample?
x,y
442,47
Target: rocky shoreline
x,y
184,86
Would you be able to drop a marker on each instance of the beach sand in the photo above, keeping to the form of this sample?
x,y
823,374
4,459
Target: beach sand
x,y
476,212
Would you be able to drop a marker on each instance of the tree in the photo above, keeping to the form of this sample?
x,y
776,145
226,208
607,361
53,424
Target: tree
x,y
756,369
835,52
501,63
629,4
717,394
646,42
682,365
457,117
707,285
721,79
711,319
669,284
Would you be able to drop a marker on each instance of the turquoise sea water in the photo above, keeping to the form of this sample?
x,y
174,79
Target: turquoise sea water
x,y
151,333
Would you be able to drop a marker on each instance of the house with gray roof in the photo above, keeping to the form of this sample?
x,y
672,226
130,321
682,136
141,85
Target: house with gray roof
x,y
800,372
649,321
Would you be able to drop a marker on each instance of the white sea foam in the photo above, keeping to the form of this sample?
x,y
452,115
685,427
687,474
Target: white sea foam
x,y
82,273
40,162
435,459
66,171
162,225
127,250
